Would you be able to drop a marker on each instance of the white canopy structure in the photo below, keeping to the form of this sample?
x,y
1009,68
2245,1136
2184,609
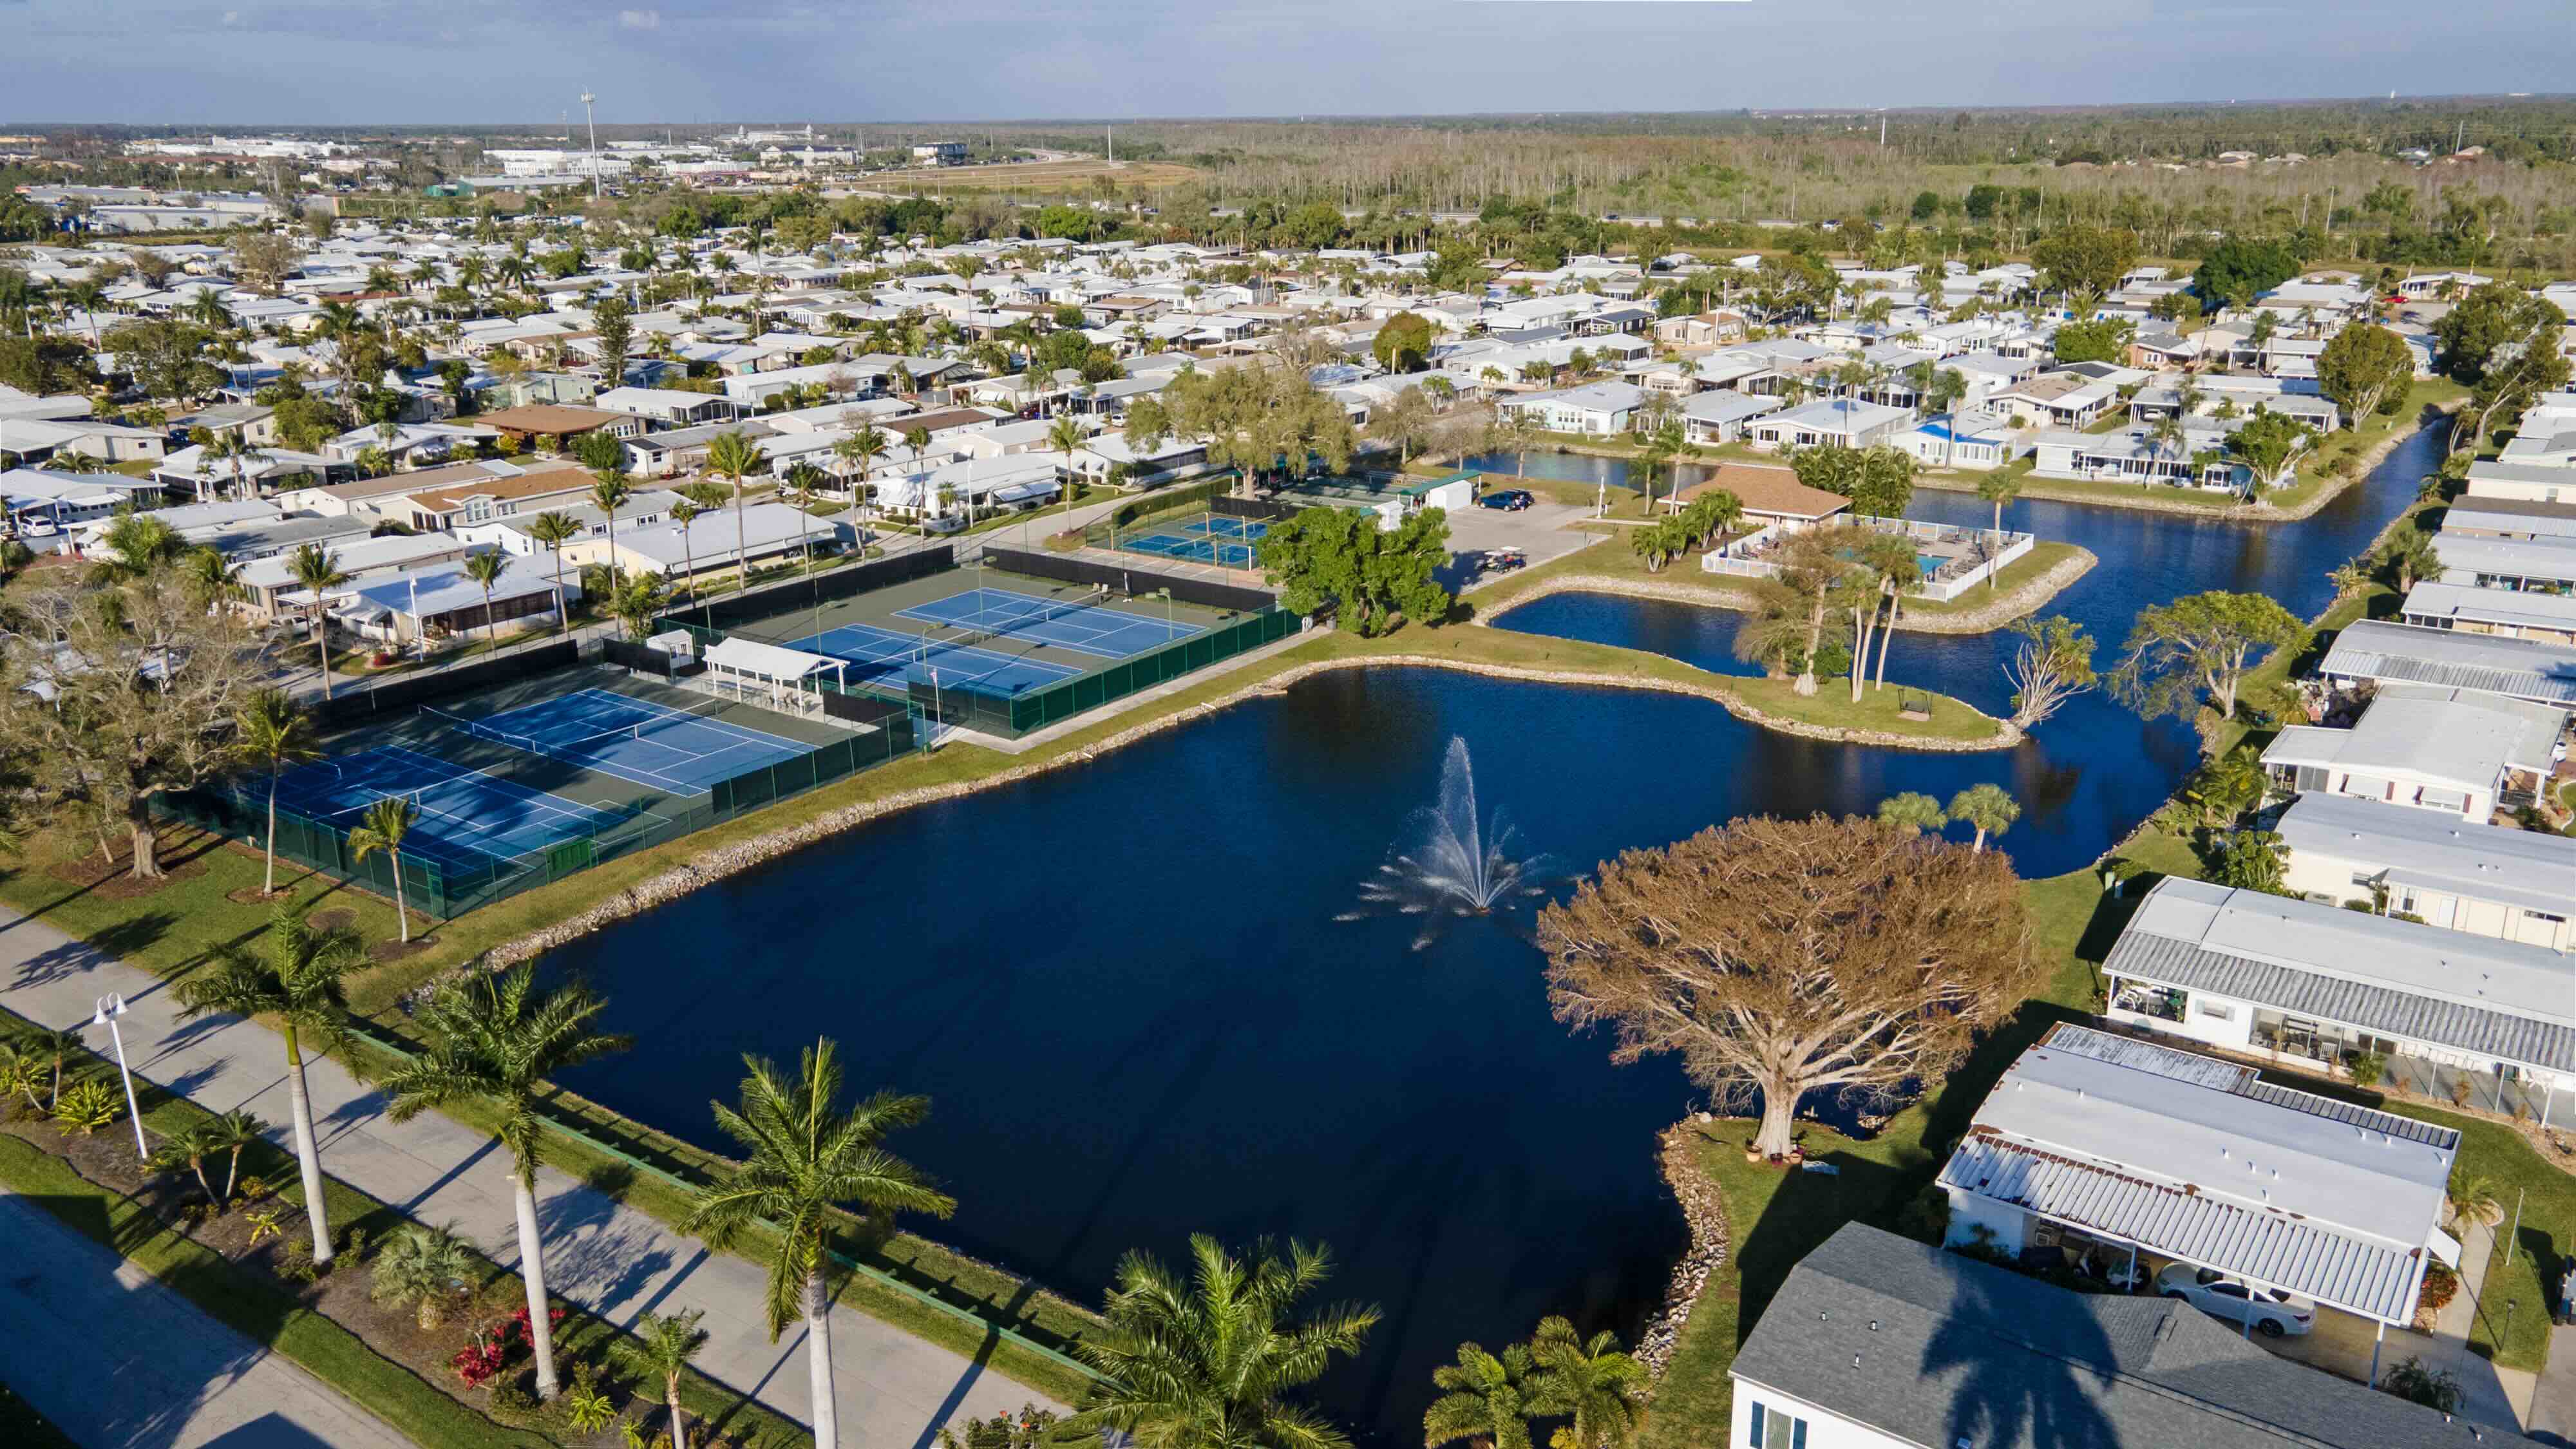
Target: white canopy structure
x,y
775,670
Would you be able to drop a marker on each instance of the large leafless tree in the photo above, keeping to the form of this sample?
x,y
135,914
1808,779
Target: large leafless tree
x,y
1785,958
133,694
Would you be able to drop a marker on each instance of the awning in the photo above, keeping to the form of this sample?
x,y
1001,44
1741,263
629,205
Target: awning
x,y
767,661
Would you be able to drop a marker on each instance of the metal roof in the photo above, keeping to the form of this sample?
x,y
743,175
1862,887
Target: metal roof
x,y
2492,664
2503,999
2261,1188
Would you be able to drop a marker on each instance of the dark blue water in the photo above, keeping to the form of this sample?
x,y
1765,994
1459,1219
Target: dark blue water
x,y
1124,987
2092,772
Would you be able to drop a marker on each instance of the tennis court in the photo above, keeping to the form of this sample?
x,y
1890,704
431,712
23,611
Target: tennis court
x,y
1079,624
887,656
1214,539
633,739
465,814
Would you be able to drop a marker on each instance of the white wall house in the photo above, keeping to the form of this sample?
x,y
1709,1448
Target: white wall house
x,y
2487,880
2431,749
2276,976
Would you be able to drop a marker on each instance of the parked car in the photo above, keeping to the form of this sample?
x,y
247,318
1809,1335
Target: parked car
x,y
2275,1313
1510,500
1504,560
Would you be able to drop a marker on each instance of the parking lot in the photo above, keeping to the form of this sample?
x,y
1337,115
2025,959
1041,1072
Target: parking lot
x,y
1539,531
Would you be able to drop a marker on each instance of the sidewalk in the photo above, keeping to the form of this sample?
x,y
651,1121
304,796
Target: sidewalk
x,y
114,1358
895,1390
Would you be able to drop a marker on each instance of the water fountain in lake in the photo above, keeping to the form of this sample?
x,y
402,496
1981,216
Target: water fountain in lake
x,y
1454,865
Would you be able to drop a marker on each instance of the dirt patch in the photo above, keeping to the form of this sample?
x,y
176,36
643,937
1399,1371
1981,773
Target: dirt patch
x,y
182,857
387,952
339,918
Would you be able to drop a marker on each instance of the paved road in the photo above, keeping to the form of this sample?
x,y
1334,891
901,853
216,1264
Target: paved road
x,y
894,1390
2553,1405
119,1362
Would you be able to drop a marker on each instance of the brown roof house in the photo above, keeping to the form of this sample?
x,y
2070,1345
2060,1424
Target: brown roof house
x,y
554,420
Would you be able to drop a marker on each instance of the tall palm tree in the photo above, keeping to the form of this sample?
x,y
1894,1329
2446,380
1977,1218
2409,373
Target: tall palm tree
x,y
801,489
317,569
1210,1360
1067,437
1602,1388
294,978
685,513
270,732
802,1158
664,1345
497,1039
1998,487
1485,1400
610,492
233,447
486,569
1987,808
865,446
554,529
383,828
733,456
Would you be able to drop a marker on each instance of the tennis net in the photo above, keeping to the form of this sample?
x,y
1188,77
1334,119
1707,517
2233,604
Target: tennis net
x,y
573,747
980,632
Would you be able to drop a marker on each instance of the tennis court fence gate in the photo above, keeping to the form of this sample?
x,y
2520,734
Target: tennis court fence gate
x,y
446,888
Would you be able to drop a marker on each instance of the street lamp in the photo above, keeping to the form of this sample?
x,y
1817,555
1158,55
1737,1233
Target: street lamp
x,y
110,1007
592,122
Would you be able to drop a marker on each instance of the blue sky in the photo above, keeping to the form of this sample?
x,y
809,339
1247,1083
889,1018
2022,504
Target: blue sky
x,y
233,62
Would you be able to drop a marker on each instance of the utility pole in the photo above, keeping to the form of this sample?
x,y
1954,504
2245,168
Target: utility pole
x,y
593,122
1882,130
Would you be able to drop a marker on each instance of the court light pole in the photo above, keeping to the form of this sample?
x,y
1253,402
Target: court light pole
x,y
110,1007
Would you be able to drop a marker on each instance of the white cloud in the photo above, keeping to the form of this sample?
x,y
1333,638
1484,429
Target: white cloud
x,y
232,17
640,19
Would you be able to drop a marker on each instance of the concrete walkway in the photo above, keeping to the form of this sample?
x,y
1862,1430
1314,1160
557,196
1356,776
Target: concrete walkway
x,y
894,1390
120,1362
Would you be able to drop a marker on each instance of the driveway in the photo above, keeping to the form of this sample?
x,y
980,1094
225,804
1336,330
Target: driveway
x,y
115,1359
1543,532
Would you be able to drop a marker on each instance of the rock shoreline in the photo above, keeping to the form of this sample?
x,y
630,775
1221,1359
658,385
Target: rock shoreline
x,y
1704,1213
2025,599
2037,488
743,855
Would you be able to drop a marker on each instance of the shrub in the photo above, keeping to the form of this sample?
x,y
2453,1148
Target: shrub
x,y
86,1107
1926,1216
2441,1285
2431,1387
2367,1068
586,1409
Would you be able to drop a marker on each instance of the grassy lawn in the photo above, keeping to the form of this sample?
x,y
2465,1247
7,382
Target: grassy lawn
x,y
2041,558
1832,705
251,1304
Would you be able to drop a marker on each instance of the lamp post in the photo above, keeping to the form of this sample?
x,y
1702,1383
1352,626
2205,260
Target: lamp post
x,y
110,1007
589,120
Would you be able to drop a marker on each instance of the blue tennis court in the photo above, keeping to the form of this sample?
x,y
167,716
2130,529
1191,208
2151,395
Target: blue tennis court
x,y
882,656
465,814
1084,627
632,739
1226,542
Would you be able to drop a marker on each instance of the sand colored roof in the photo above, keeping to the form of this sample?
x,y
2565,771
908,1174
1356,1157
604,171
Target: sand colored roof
x,y
1772,492
533,484
550,418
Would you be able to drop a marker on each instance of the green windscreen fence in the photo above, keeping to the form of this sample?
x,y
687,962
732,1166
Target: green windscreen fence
x,y
447,879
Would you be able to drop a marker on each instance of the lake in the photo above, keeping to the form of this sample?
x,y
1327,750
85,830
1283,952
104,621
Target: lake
x,y
1125,987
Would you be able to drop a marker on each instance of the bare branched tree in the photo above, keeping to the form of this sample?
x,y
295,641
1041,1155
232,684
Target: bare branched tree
x,y
141,686
1784,958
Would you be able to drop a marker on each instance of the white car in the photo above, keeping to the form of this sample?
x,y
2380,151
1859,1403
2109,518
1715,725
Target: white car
x,y
2275,1313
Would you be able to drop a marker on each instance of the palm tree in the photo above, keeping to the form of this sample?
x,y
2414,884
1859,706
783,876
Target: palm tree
x,y
1485,1400
2409,557
636,601
1890,571
294,978
1210,1361
272,733
866,446
231,1134
497,1041
801,489
664,1345
2349,577
427,1267
189,1147
802,1158
1913,809
382,828
732,455
685,513
317,569
1987,808
554,529
1590,1379
1067,437
486,569
1998,487
233,447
